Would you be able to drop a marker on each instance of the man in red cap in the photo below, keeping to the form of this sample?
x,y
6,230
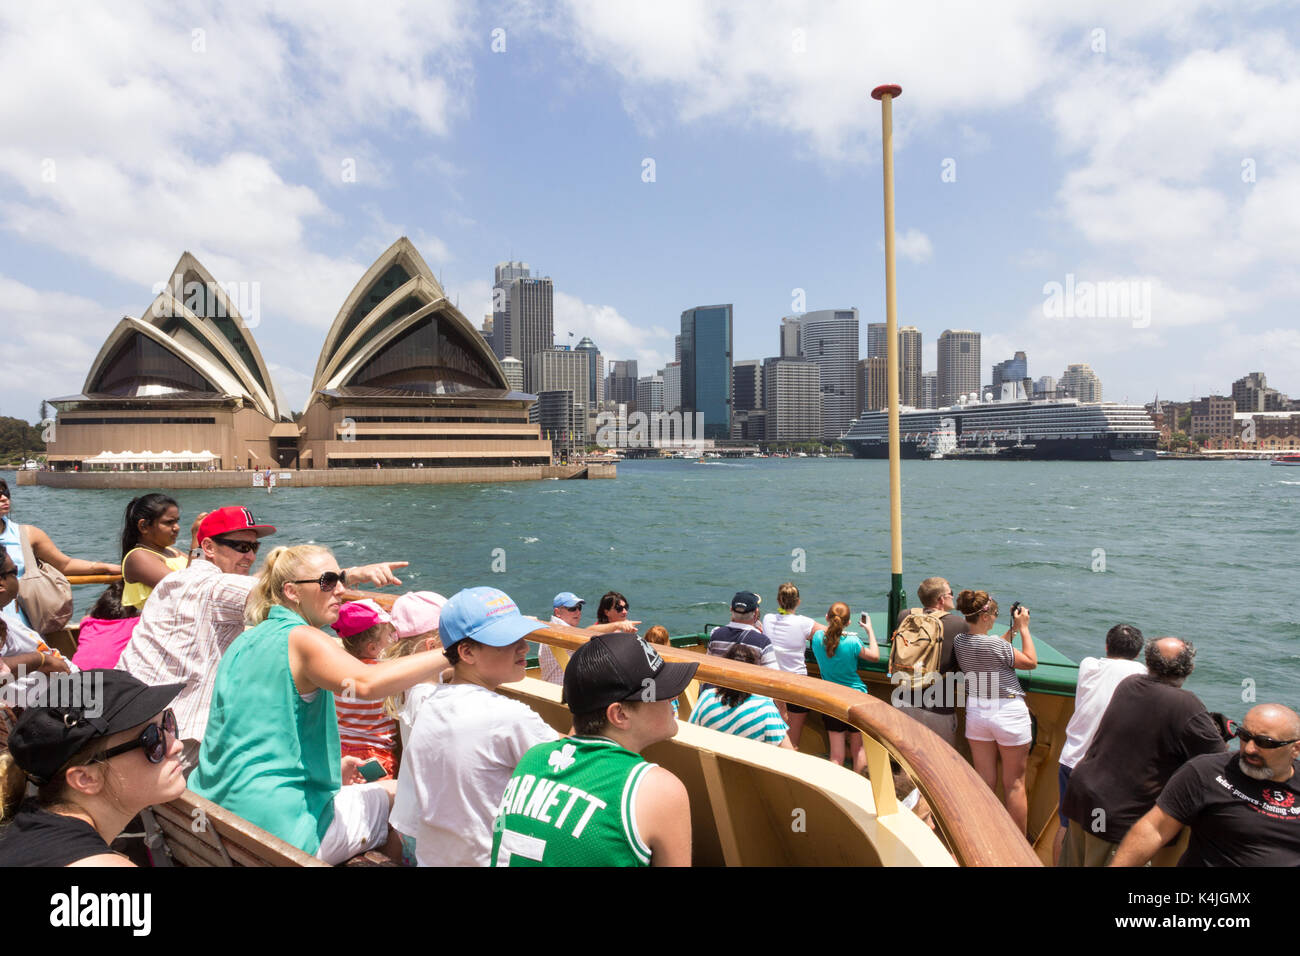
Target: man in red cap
x,y
194,614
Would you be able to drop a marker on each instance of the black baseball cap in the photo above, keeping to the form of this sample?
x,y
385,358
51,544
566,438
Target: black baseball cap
x,y
745,602
74,709
614,667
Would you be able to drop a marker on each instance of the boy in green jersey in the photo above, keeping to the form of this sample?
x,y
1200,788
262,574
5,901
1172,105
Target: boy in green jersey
x,y
589,799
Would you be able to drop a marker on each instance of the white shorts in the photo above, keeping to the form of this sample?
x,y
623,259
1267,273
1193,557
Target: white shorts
x,y
1004,720
360,823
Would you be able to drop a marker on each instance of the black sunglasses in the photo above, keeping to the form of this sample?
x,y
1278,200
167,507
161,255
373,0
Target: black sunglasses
x,y
620,607
1266,743
153,739
327,581
576,607
243,547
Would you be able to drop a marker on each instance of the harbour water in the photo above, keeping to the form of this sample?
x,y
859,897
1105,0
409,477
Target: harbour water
x,y
1204,550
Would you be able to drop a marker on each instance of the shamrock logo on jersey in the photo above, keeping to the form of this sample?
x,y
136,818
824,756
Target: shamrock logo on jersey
x,y
562,759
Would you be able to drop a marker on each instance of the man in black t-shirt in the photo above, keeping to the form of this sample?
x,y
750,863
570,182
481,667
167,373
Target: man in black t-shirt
x,y
1243,808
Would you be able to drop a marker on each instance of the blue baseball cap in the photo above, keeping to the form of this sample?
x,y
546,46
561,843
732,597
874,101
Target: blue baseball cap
x,y
566,599
487,615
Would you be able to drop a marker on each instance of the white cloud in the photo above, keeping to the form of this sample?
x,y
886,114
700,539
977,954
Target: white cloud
x,y
914,246
617,337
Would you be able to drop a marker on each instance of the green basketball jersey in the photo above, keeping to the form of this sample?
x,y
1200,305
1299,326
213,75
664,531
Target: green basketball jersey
x,y
570,803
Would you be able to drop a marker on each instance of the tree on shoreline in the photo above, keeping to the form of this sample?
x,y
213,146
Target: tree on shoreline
x,y
18,439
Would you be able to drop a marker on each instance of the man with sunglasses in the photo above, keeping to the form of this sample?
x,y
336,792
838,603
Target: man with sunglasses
x,y
1243,808
567,612
195,614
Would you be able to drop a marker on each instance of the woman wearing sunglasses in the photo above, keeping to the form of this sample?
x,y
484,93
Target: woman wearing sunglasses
x,y
102,749
271,751
612,609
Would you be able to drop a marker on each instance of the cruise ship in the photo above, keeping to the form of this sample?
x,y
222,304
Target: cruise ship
x,y
1014,427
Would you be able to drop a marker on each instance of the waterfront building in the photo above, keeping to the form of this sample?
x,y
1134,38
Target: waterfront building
x,y
749,425
672,375
1274,431
531,321
514,372
1081,382
403,376
184,376
1252,394
792,400
563,421
930,390
706,367
561,369
959,364
747,385
595,371
789,337
620,386
1213,417
650,394
504,274
829,339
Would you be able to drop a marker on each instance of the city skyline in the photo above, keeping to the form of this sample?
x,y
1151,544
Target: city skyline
x,y
1125,196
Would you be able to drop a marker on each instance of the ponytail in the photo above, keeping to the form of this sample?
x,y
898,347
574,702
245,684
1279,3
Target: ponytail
x,y
148,508
837,618
283,564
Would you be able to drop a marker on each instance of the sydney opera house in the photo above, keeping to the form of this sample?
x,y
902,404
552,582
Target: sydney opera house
x,y
403,381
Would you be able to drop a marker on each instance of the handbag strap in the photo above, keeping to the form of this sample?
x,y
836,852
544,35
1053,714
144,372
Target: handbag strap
x,y
30,566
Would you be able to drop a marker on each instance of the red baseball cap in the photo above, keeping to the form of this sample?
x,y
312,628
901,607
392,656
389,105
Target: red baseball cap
x,y
232,518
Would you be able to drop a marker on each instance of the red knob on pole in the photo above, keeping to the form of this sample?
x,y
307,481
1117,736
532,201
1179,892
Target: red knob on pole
x,y
893,89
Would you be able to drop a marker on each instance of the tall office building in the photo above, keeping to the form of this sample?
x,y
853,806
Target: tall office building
x,y
650,394
873,377
531,321
959,364
909,359
677,348
514,370
790,337
706,367
672,374
620,385
595,371
1045,387
1252,394
561,369
929,389
792,400
1081,382
486,331
503,275
747,385
1014,369
829,339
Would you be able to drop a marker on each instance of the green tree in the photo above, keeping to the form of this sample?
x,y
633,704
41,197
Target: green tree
x,y
18,439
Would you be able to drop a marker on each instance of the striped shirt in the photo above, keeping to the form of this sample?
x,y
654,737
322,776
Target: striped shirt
x,y
723,638
755,717
189,621
987,662
363,723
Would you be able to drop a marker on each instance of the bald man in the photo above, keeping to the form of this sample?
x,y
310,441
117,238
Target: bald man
x,y
1243,808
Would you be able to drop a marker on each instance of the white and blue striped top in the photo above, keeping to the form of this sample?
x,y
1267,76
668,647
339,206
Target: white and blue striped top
x,y
756,717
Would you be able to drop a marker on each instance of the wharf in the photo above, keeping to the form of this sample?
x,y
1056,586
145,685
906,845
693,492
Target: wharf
x,y
311,478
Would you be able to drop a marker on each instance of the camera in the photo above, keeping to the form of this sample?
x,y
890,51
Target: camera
x,y
1014,608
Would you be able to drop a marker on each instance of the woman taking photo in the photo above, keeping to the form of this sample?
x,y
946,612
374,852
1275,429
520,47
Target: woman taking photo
x,y
150,528
837,656
271,750
93,774
997,717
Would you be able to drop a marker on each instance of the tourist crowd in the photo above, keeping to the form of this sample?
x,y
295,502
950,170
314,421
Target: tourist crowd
x,y
344,727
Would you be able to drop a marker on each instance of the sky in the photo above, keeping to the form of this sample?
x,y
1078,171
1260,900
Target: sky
x,y
1101,182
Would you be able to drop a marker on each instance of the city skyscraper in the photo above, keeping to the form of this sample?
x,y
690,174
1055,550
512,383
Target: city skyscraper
x,y
620,385
792,397
873,374
531,322
929,389
747,385
1015,369
595,371
560,369
650,394
514,370
503,275
706,367
959,364
672,374
909,366
1081,382
790,337
829,339
876,339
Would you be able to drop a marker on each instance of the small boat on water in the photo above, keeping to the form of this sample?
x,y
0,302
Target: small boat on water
x,y
1286,460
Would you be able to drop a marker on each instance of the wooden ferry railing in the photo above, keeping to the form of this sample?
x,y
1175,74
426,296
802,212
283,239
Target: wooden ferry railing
x,y
973,821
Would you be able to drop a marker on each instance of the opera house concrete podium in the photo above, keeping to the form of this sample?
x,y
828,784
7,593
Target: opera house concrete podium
x,y
405,391
404,380
186,376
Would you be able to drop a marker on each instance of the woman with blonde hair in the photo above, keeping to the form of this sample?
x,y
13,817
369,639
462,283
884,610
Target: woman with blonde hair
x,y
998,725
837,656
271,752
790,633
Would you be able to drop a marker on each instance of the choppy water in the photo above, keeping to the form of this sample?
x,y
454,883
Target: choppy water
x,y
1205,550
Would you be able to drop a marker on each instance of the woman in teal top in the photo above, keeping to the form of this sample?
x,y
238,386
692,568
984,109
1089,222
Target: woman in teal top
x,y
271,750
837,656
